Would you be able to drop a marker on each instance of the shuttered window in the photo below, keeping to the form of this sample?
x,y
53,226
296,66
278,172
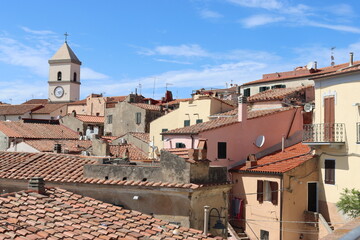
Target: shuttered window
x,y
138,117
260,190
267,191
329,171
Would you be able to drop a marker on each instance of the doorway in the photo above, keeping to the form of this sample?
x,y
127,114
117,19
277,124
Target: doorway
x,y
312,197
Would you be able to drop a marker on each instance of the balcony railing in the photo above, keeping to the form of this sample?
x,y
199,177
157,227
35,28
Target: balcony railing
x,y
324,133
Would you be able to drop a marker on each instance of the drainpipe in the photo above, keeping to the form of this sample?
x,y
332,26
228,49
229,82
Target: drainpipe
x,y
206,219
192,141
283,143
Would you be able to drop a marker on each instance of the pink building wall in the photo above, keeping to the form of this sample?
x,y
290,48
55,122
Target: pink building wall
x,y
240,137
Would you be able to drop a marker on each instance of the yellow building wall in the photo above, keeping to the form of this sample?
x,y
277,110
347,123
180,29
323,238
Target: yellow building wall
x,y
199,108
345,90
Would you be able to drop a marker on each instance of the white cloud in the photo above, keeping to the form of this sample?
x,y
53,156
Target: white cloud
x,y
342,28
172,61
340,10
88,73
206,13
267,4
258,20
37,32
184,50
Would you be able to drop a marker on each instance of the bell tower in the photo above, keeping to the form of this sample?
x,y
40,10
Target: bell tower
x,y
64,75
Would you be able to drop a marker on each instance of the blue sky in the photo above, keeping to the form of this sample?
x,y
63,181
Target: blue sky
x,y
188,44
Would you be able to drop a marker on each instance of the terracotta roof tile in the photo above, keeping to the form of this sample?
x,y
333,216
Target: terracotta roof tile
x,y
36,101
276,94
18,109
90,119
96,221
176,101
63,168
297,74
280,162
49,108
134,152
115,99
145,137
147,106
80,102
37,131
73,146
346,69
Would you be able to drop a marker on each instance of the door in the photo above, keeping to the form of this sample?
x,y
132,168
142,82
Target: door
x,y
312,196
329,119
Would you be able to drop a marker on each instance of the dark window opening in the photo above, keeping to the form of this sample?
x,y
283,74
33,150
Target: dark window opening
x,y
106,178
278,86
163,130
221,150
144,179
59,77
138,117
180,145
186,123
264,235
199,121
124,178
247,92
75,77
329,171
262,89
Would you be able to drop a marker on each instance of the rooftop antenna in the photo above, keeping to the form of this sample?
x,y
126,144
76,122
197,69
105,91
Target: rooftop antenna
x,y
139,86
167,84
66,35
332,56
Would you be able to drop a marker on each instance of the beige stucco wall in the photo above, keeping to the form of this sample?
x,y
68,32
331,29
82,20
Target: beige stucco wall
x,y
345,89
191,110
254,88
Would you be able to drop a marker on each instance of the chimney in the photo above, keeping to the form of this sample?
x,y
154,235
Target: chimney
x,y
251,161
315,65
126,154
37,184
193,154
242,109
351,59
57,148
202,147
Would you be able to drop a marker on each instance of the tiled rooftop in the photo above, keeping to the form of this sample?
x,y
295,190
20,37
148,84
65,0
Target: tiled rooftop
x,y
147,106
37,101
73,146
303,72
134,152
224,119
280,162
49,108
176,101
275,94
145,137
37,131
64,168
181,152
346,69
18,109
115,99
90,119
61,214
80,102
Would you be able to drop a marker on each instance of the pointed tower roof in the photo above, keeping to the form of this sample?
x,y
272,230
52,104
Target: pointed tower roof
x,y
64,55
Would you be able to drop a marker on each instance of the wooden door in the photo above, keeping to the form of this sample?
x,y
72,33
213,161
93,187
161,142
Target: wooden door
x,y
329,118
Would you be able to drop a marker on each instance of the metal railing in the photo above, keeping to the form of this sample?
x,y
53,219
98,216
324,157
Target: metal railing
x,y
324,133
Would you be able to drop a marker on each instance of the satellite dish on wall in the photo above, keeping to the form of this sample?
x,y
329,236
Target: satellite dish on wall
x,y
260,140
308,107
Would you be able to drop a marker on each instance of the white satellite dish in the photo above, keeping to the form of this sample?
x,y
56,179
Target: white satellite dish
x,y
308,107
310,65
260,140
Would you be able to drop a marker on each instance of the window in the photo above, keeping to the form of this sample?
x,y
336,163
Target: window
x,y
180,145
261,89
221,150
75,76
329,171
278,86
199,121
109,119
264,235
186,123
247,92
267,191
138,117
59,76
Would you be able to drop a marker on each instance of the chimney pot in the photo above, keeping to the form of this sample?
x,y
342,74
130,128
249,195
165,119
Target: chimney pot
x,y
37,184
351,59
242,109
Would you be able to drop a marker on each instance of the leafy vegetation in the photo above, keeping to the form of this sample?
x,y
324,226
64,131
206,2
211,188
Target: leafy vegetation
x,y
349,202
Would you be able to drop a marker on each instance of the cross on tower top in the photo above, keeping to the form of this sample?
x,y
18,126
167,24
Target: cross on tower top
x,y
66,35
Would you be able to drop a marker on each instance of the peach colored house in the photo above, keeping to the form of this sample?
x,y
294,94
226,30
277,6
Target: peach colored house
x,y
272,196
236,134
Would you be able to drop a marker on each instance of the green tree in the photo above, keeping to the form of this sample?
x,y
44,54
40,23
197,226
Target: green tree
x,y
349,202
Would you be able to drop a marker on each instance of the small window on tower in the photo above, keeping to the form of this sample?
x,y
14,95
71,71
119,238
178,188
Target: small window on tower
x,y
59,76
74,76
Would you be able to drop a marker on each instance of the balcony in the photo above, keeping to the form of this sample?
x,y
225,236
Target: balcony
x,y
324,134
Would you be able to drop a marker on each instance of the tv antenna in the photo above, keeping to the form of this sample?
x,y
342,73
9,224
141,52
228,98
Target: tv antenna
x,y
139,86
167,84
332,56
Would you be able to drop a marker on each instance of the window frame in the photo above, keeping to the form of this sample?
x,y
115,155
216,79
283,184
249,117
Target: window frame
x,y
138,117
329,173
186,123
110,119
222,150
199,121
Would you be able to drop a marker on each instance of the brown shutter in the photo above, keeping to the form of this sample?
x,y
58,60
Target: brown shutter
x,y
274,192
260,190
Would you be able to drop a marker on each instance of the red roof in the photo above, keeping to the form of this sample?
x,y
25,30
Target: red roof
x,y
37,101
60,214
145,137
176,101
80,102
49,108
297,73
90,119
280,162
147,106
276,94
346,70
73,146
18,109
37,131
134,152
